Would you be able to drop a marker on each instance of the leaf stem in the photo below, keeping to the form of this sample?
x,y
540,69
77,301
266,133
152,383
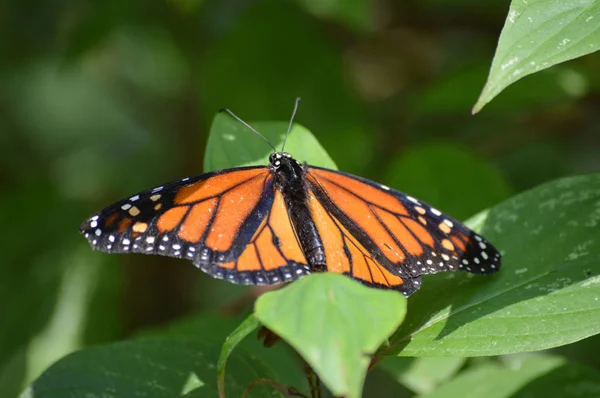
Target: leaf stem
x,y
313,381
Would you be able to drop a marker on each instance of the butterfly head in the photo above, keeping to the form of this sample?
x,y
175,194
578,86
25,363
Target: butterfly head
x,y
279,159
286,169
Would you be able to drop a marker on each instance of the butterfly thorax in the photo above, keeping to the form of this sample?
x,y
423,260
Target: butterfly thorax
x,y
289,175
290,180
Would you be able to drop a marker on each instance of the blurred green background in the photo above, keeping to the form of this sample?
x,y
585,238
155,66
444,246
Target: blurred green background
x,y
101,99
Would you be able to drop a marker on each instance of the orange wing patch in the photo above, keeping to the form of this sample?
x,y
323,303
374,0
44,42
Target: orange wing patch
x,y
366,192
344,254
419,231
364,216
124,224
197,220
459,241
171,218
216,185
337,260
273,245
110,220
400,232
234,208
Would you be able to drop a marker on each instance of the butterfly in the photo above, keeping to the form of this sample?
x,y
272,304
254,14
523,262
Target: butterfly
x,y
263,225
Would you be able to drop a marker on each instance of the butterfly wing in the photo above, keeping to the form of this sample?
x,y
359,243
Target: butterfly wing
x,y
402,234
232,224
347,253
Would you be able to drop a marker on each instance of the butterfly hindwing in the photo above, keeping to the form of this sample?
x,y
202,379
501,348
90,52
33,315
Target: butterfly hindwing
x,y
273,254
404,234
346,254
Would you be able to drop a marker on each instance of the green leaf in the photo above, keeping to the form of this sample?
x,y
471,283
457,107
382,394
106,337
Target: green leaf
x,y
448,177
422,375
547,293
244,329
231,144
334,323
538,34
152,367
453,93
285,366
539,376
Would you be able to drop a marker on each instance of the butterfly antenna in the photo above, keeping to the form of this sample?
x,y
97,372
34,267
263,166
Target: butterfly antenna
x,y
290,125
247,125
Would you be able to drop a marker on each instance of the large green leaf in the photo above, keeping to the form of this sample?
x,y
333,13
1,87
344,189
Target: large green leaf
x,y
538,34
539,376
334,323
232,335
547,293
151,367
232,144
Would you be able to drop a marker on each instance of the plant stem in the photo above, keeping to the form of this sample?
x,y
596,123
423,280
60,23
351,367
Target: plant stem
x,y
313,381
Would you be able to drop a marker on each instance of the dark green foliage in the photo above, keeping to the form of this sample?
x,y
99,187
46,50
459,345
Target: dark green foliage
x,y
103,99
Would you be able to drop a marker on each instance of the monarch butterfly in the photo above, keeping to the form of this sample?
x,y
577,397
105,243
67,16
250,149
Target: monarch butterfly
x,y
272,224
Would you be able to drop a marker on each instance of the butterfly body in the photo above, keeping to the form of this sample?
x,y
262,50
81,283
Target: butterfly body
x,y
290,180
274,224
